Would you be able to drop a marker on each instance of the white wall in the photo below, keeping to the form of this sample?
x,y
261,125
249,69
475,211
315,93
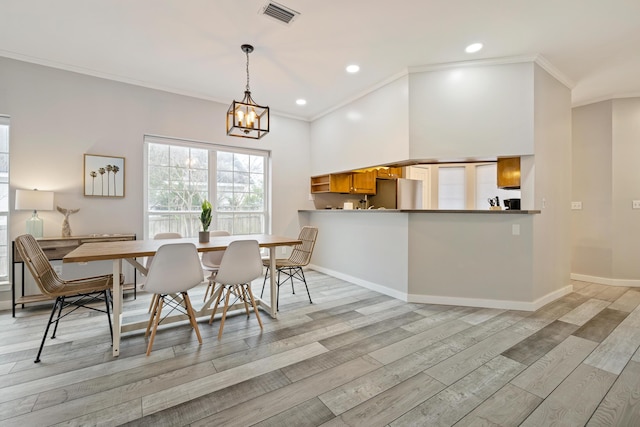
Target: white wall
x,y
468,258
592,175
371,130
471,112
369,248
626,188
57,116
471,259
606,179
552,185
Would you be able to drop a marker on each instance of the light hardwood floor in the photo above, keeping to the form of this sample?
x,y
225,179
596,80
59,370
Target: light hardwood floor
x,y
354,357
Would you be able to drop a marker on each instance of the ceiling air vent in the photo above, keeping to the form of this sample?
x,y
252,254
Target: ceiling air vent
x,y
279,12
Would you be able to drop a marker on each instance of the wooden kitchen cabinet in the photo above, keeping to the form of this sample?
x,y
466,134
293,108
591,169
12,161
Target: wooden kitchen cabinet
x,y
389,173
345,183
508,169
340,182
363,182
331,183
320,184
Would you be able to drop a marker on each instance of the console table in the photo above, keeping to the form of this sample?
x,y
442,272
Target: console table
x,y
55,248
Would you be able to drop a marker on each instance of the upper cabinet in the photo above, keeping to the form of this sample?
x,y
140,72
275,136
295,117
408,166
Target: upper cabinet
x,y
363,182
345,183
509,172
389,173
340,182
333,183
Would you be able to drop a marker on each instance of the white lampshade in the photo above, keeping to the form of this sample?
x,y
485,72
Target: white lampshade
x,y
34,200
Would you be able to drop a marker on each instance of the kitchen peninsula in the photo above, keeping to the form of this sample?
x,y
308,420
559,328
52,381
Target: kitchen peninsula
x,y
492,259
481,258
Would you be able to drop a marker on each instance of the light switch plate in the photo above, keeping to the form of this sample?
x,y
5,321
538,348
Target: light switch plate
x,y
636,204
576,206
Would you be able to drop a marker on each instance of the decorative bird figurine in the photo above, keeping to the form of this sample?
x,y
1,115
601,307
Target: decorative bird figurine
x,y
66,228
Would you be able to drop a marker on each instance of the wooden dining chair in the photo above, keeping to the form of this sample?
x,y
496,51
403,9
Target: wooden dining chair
x,y
174,270
291,267
69,295
211,263
240,265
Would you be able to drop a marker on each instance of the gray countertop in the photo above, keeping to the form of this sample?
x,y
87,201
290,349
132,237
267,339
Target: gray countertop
x,y
441,211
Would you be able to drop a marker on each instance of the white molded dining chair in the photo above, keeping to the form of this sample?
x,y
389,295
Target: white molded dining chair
x,y
174,270
211,263
240,265
162,236
159,236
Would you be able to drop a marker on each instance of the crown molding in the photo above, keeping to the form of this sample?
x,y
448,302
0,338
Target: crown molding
x,y
540,60
610,97
473,63
546,65
127,80
537,59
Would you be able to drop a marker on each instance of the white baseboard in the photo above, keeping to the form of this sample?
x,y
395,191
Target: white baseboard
x,y
491,303
5,305
632,283
552,296
360,282
466,302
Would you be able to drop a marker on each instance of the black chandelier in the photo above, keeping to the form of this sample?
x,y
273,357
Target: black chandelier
x,y
245,118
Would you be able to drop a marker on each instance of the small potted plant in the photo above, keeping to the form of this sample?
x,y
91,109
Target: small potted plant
x,y
205,219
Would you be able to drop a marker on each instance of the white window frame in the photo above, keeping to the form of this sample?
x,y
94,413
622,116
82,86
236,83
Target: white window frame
x,y
213,149
4,279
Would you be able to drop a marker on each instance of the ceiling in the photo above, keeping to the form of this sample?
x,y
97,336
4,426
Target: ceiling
x,y
193,47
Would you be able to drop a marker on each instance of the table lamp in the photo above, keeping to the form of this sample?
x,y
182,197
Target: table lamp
x,y
36,201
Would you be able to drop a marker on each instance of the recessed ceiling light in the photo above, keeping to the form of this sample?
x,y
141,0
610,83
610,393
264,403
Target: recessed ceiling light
x,y
301,101
474,47
353,68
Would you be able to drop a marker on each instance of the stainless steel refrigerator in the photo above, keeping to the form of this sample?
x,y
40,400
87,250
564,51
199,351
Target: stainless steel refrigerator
x,y
398,194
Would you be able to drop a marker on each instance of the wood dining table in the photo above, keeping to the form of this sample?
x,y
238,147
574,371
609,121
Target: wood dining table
x,y
132,249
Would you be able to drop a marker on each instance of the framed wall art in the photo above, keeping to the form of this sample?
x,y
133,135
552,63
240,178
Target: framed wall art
x,y
103,176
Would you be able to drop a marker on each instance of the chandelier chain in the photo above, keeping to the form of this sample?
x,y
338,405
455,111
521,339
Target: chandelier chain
x,y
248,90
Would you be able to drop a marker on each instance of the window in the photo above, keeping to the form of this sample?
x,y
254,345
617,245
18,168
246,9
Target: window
x,y
451,188
181,174
240,201
487,187
4,199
